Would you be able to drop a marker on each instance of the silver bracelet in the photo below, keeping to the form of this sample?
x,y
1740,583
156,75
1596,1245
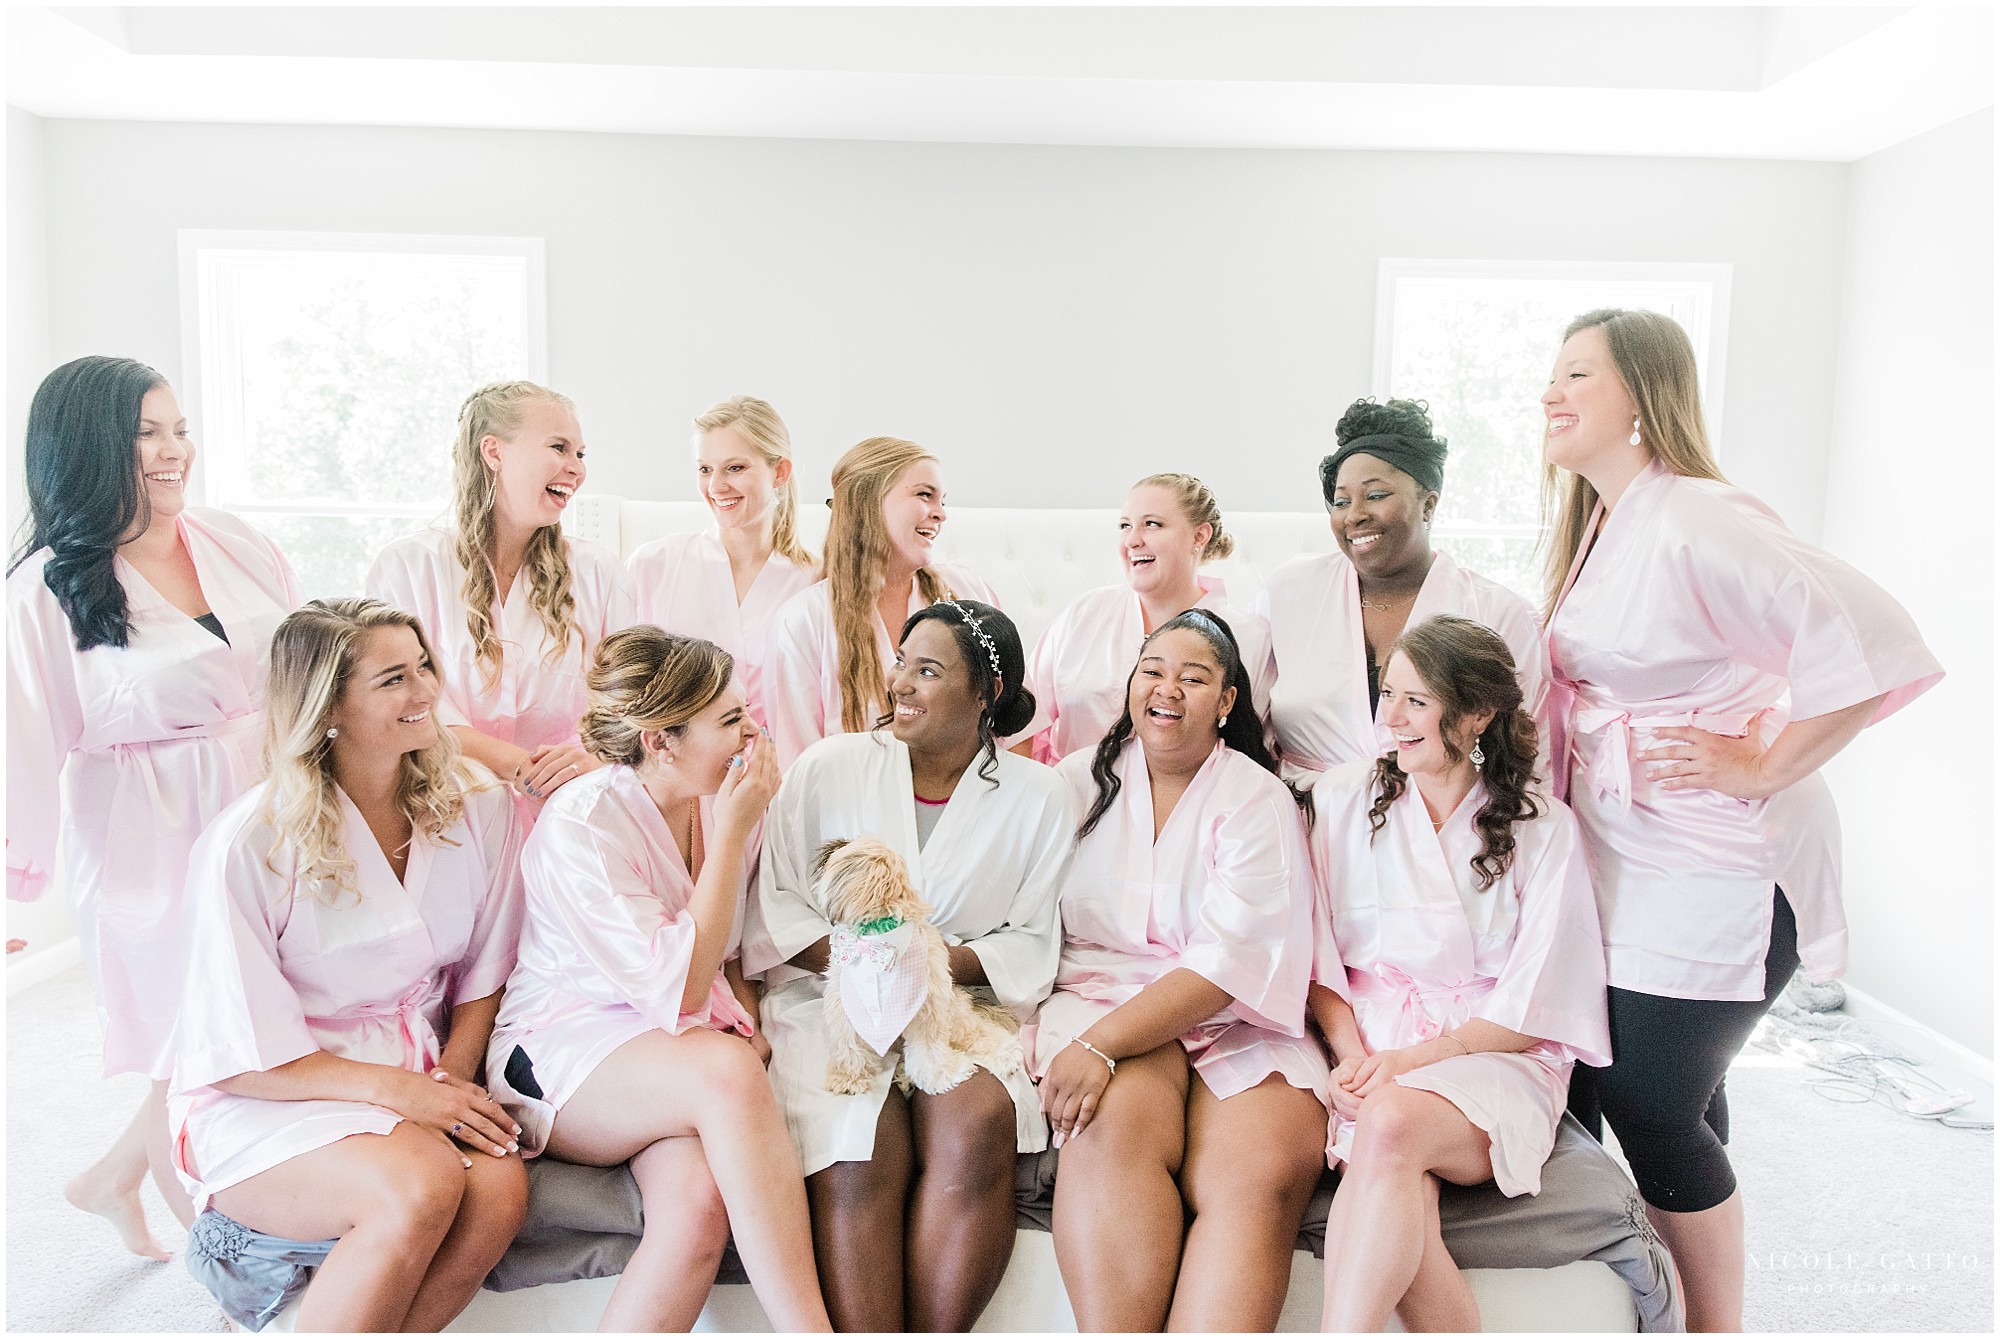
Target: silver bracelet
x,y
1109,1063
1463,1048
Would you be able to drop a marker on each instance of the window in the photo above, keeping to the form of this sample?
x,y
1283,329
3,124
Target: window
x,y
327,374
1475,339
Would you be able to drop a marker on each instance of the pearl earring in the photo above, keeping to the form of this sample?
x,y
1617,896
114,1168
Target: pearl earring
x,y
1222,724
332,732
1635,432
1478,755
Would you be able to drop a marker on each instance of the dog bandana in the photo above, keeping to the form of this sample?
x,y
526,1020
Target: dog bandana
x,y
883,981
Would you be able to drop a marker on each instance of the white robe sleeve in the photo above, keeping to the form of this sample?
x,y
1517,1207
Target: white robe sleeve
x,y
239,1013
494,821
1254,934
1021,957
1553,983
44,723
605,903
783,918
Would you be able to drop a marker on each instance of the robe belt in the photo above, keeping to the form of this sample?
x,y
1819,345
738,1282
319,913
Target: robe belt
x,y
1617,752
1392,985
138,754
420,1048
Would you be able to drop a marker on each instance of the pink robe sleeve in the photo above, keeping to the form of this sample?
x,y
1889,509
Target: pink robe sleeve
x,y
1253,935
793,680
1792,610
239,1013
616,919
44,723
1553,983
495,823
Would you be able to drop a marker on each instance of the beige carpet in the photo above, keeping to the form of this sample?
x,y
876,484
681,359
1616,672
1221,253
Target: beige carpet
x,y
1860,1219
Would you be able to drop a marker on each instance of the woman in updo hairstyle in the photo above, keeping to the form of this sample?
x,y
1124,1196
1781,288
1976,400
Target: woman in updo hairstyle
x,y
913,1192
1171,525
1333,616
625,1037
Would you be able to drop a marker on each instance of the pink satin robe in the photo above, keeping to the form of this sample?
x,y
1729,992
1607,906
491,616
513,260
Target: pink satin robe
x,y
1319,705
118,757
1697,607
278,970
1081,667
1226,891
534,701
606,945
1406,934
683,584
802,691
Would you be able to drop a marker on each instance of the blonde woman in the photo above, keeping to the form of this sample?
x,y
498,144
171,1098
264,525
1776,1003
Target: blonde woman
x,y
624,1038
516,605
832,648
1170,526
727,583
352,920
1705,664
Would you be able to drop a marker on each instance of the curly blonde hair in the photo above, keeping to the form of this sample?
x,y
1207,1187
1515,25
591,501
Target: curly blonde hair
x,y
759,425
312,659
496,410
1199,506
857,557
644,678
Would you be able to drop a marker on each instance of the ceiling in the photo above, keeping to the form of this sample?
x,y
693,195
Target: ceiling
x,y
1828,82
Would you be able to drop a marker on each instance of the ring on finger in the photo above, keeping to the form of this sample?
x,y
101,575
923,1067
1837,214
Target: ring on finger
x,y
457,1127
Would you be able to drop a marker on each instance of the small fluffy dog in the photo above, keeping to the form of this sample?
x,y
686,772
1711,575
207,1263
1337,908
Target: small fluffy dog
x,y
890,976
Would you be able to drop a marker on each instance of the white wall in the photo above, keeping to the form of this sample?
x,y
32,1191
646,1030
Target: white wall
x,y
1053,321
1910,501
46,923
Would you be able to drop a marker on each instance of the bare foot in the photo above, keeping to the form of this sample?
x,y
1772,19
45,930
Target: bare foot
x,y
120,1208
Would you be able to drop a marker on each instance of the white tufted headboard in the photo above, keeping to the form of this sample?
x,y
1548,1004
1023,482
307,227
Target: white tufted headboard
x,y
1037,559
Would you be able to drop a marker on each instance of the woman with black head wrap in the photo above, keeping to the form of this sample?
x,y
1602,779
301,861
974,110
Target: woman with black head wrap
x,y
1333,616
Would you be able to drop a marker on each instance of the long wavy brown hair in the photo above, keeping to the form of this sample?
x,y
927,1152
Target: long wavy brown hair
x,y
1467,668
857,556
1656,362
312,657
496,410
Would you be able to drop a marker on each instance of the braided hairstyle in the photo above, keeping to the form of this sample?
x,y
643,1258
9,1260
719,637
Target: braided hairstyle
x,y
85,497
991,647
1467,668
1244,732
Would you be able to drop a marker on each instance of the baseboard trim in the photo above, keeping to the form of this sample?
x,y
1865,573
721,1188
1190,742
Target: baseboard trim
x,y
34,968
1866,1007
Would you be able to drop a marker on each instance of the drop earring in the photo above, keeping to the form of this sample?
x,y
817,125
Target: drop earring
x,y
1634,440
1478,756
492,483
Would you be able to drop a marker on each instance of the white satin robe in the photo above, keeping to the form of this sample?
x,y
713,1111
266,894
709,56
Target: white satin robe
x,y
118,757
533,702
1320,711
1408,937
990,872
802,690
1697,607
683,584
1081,667
606,944
278,970
1227,891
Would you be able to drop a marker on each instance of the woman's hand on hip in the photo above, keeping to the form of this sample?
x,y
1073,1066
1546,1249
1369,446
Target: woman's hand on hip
x,y
1692,759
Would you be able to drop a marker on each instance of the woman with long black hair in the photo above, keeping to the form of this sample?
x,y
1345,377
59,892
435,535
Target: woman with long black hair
x,y
138,640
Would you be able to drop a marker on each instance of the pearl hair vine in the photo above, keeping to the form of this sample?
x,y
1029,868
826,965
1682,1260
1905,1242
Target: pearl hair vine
x,y
992,651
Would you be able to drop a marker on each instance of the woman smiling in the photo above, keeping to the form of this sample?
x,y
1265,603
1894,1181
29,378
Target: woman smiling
x,y
1333,616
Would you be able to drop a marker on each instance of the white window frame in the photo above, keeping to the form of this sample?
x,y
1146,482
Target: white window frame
x,y
207,352
1703,313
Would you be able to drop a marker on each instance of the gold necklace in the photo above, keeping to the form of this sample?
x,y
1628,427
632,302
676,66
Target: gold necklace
x,y
1380,608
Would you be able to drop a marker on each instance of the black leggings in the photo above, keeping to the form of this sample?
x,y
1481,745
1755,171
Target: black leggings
x,y
1663,1092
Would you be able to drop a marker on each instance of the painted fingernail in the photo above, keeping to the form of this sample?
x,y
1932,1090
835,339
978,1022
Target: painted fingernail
x,y
517,1129
467,1162
513,1146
